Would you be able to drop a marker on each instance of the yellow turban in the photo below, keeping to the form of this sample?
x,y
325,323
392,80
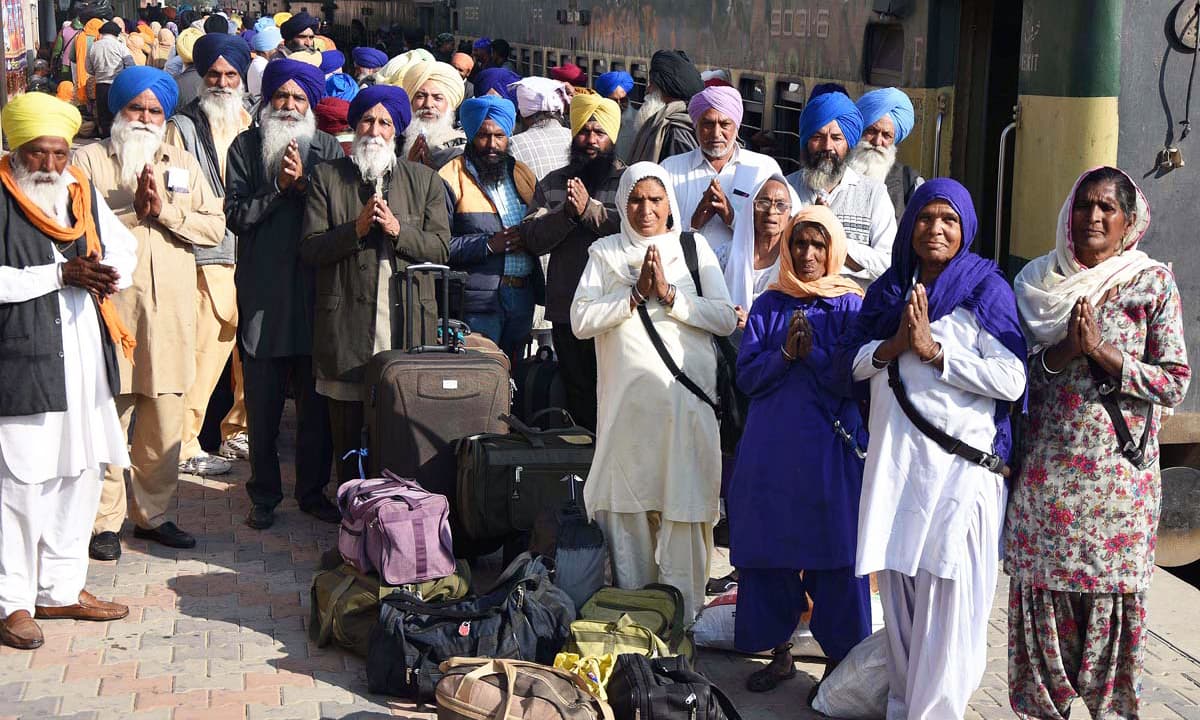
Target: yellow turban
x,y
312,57
34,115
442,73
236,20
393,72
186,41
588,104
281,17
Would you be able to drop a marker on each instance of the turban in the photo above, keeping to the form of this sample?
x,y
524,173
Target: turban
x,y
248,36
32,115
342,86
263,23
672,72
587,105
443,74
267,39
146,31
332,61
569,73
483,43
65,91
888,101
539,94
110,28
136,80
213,46
185,44
498,79
716,74
297,24
308,57
214,24
280,18
824,109
366,57
392,73
822,88
475,111
331,115
324,44
169,13
608,83
310,78
393,99
724,100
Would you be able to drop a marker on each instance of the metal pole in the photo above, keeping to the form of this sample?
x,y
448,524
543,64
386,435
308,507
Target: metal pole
x,y
1000,173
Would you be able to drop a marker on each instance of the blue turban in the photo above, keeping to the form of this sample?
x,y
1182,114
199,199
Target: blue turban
x,y
393,99
366,57
263,23
341,85
607,83
498,79
824,109
332,61
134,81
297,24
220,45
248,36
472,114
267,39
822,88
310,79
888,101
483,43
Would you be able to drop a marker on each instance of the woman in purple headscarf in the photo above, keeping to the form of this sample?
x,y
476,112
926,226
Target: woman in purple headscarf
x,y
939,342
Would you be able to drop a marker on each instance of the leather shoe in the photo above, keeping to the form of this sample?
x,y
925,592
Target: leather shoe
x,y
20,631
166,534
105,546
260,517
323,510
89,607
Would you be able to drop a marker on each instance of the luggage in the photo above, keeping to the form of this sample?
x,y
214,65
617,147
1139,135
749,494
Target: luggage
x,y
665,689
577,546
525,617
506,480
396,528
481,689
596,638
539,385
656,606
857,689
345,603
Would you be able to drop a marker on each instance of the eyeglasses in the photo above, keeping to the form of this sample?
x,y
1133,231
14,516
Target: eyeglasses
x,y
781,207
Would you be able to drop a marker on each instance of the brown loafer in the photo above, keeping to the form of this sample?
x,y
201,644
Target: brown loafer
x,y
20,631
89,607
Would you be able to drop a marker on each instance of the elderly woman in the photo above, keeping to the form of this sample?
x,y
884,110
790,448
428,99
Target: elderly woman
x,y
654,481
939,340
1106,329
792,512
753,262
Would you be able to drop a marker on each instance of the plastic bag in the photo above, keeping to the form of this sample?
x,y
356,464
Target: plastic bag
x,y
594,671
857,689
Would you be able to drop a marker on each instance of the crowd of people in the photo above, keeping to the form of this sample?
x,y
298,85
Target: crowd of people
x,y
911,412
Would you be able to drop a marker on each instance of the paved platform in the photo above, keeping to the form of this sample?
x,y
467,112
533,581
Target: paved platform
x,y
219,632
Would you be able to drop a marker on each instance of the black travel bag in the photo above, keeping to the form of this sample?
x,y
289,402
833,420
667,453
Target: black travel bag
x,y
642,688
539,387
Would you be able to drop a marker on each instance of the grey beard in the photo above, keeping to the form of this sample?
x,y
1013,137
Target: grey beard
x,y
823,175
870,161
223,109
437,132
278,133
47,190
373,159
651,106
137,146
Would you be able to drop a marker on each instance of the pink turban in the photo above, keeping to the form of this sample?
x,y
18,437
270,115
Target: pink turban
x,y
724,100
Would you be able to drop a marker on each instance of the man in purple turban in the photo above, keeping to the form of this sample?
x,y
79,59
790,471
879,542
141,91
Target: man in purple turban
x,y
300,32
366,61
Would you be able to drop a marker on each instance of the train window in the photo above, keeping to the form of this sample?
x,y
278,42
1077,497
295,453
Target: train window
x,y
564,59
883,54
599,67
551,62
789,103
640,81
754,95
616,65
525,68
538,67
585,66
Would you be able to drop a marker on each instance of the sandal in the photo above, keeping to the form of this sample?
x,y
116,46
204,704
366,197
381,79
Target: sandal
x,y
769,677
717,586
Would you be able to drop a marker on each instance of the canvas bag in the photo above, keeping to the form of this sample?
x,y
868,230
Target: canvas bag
x,y
657,606
482,689
596,638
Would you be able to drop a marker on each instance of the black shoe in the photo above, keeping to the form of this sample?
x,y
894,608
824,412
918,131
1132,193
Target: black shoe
x,y
166,534
721,533
105,546
260,517
323,510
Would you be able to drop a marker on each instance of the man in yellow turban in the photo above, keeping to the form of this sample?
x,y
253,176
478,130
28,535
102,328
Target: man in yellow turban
x,y
572,208
436,90
66,255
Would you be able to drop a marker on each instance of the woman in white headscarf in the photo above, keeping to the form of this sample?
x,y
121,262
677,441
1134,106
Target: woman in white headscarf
x,y
656,476
753,262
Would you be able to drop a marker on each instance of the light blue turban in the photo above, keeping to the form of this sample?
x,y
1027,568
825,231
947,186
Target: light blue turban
x,y
888,101
267,39
607,83
824,109
263,23
472,114
134,81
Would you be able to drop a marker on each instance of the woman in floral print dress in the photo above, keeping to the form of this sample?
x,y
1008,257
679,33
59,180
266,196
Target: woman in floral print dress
x,y
1082,521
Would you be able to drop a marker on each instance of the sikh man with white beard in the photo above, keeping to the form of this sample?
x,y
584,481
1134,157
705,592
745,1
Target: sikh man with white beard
x,y
436,90
206,128
266,176
369,216
663,127
888,116
159,193
65,254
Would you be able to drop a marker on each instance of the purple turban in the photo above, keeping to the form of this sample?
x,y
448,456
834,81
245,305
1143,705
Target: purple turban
x,y
824,109
332,61
483,43
498,79
310,79
724,100
366,57
297,24
221,45
393,99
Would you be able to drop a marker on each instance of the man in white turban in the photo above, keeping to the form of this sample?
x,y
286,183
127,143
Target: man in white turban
x,y
436,90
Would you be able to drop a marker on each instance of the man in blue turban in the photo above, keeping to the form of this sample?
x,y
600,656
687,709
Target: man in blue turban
x,y
496,81
481,51
332,61
366,61
342,86
491,191
830,126
888,118
617,85
300,32
305,78
214,47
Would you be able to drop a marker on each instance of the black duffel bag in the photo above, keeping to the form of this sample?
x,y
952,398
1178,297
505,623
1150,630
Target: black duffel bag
x,y
525,617
664,689
506,481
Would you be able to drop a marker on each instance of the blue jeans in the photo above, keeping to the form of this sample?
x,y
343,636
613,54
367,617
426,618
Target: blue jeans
x,y
510,324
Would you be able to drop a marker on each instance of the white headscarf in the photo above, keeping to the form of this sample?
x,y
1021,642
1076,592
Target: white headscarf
x,y
1048,287
739,268
626,251
539,94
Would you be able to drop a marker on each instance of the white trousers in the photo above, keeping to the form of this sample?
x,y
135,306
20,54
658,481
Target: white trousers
x,y
44,533
937,628
646,549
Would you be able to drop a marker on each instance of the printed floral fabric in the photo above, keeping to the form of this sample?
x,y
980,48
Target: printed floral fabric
x,y
1082,518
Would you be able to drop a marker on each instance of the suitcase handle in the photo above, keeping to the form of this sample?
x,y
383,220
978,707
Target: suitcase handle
x,y
546,411
446,274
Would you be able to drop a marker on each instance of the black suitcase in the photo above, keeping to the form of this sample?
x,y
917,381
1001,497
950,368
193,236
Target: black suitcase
x,y
506,480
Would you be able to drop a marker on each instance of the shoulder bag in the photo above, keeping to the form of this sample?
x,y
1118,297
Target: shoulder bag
x,y
1134,452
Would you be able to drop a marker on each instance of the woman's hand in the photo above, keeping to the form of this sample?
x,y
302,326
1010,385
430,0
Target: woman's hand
x,y
799,340
662,288
645,281
1088,330
742,315
920,337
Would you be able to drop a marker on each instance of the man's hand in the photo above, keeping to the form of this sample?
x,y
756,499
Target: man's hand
x,y
704,209
419,152
385,219
577,197
366,217
720,205
507,240
146,201
89,274
292,167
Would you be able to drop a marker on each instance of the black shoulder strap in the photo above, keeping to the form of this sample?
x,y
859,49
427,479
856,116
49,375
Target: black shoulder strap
x,y
688,241
1134,452
656,340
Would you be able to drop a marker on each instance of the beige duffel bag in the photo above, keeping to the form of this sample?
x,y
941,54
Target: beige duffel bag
x,y
483,689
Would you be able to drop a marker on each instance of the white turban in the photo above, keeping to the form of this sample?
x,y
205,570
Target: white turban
x,y
539,94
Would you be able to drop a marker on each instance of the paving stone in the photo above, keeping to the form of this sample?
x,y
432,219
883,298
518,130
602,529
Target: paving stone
x,y
38,709
111,706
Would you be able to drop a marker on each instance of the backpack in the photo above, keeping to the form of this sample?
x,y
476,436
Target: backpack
x,y
481,689
657,606
577,546
665,689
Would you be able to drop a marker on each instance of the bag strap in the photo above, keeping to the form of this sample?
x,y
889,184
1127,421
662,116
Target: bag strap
x,y
509,668
944,440
835,423
326,626
693,677
676,636
1134,452
672,367
687,240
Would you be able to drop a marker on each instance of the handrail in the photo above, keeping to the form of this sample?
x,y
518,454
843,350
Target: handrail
x,y
1000,173
937,136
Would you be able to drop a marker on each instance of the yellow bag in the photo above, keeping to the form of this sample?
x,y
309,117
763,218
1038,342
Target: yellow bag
x,y
594,671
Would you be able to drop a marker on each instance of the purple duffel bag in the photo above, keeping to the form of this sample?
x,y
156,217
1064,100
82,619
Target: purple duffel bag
x,y
393,526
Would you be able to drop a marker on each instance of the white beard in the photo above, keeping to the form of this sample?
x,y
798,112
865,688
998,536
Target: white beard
x,y
223,108
137,146
47,190
873,162
824,176
374,157
437,131
279,128
651,106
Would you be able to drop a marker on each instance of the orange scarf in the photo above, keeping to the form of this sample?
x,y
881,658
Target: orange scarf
x,y
83,39
81,208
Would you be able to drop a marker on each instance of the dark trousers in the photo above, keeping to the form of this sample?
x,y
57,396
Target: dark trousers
x,y
346,423
577,366
104,116
267,381
770,603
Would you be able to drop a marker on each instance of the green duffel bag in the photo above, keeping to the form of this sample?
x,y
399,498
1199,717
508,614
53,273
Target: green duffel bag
x,y
597,638
345,603
657,606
